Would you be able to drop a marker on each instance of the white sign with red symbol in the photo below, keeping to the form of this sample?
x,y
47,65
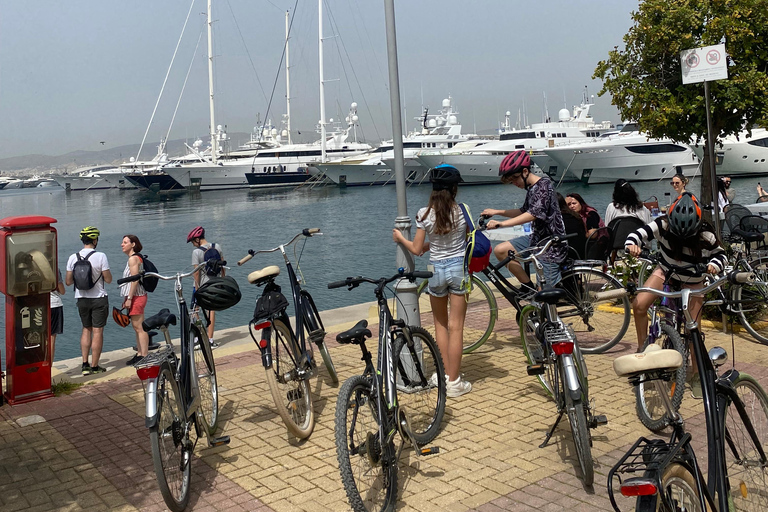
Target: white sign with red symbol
x,y
704,64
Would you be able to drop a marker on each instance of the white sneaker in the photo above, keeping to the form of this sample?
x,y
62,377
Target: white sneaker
x,y
458,387
433,380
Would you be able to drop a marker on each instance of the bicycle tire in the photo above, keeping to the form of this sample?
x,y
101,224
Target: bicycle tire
x,y
368,470
741,456
679,486
600,313
648,404
170,446
313,323
293,397
419,393
205,371
482,313
749,300
535,351
576,410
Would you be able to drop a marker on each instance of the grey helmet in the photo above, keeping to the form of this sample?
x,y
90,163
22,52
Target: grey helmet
x,y
685,216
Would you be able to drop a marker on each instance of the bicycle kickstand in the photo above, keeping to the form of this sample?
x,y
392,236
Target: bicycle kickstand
x,y
404,425
552,430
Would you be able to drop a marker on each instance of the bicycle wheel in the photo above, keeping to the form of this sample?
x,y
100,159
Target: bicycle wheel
x,y
205,370
482,312
648,403
421,383
597,306
535,351
316,334
748,478
292,395
368,469
577,417
749,302
169,440
679,488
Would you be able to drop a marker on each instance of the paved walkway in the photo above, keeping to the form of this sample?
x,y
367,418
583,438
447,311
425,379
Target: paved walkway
x,y
90,450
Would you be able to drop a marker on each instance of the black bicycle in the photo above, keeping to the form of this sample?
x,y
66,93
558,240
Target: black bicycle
x,y
665,475
405,392
288,359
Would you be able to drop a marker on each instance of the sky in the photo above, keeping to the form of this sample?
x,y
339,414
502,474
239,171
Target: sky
x,y
78,72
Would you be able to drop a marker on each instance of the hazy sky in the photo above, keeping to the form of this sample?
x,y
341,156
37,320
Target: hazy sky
x,y
77,72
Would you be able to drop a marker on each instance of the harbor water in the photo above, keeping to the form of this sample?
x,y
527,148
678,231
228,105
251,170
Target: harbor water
x,y
356,224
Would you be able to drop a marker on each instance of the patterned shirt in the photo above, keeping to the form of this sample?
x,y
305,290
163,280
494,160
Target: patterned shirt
x,y
541,202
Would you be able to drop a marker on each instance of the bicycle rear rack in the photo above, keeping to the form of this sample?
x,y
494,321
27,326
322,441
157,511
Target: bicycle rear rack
x,y
155,358
554,333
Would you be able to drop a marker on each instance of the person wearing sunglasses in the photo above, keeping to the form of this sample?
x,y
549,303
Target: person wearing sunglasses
x,y
679,183
730,193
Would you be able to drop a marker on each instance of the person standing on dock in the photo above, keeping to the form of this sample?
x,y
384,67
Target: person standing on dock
x,y
205,251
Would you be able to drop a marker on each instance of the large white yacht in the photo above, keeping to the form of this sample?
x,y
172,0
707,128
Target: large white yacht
x,y
481,164
96,177
740,155
629,154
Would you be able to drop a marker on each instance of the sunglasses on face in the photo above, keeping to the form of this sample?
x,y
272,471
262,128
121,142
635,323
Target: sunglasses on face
x,y
676,183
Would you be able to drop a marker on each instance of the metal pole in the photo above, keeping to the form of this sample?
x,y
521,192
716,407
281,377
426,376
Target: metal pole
x,y
214,141
408,305
322,81
712,171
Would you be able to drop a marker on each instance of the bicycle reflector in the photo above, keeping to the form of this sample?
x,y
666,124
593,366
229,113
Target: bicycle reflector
x,y
638,487
148,372
562,347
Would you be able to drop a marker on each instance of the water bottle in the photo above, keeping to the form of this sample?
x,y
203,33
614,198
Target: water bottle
x,y
527,227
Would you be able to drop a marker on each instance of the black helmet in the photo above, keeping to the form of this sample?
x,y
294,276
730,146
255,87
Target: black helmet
x,y
444,177
685,216
218,293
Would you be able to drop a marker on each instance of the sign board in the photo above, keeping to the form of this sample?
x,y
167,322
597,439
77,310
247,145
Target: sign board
x,y
704,64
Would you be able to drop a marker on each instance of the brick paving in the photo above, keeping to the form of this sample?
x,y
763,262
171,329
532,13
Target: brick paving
x,y
90,450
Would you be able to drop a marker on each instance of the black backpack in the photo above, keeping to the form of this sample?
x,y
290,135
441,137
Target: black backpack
x,y
82,272
149,283
211,255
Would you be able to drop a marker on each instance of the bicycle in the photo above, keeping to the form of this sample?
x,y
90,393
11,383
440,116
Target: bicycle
x,y
594,300
287,358
174,395
368,412
555,358
736,413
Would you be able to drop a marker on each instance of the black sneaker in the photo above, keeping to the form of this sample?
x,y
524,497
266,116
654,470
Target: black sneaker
x,y
215,344
526,292
98,369
86,369
135,359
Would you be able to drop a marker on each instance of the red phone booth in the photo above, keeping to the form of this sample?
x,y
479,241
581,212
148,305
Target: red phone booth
x,y
28,253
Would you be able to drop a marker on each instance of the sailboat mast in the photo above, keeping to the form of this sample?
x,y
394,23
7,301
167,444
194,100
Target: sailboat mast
x,y
214,142
287,82
322,82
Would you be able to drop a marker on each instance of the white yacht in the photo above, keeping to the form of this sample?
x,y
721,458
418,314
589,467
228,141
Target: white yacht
x,y
629,154
10,183
481,164
740,155
96,177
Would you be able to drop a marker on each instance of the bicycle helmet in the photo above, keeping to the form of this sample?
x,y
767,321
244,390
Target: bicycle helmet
x,y
120,318
197,232
218,293
444,177
514,163
685,216
89,233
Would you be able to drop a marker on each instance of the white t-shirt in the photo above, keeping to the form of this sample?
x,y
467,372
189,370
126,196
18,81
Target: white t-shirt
x,y
614,213
99,264
445,246
56,301
198,256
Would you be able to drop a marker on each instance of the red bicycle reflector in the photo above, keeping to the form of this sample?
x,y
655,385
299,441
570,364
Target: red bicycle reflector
x,y
262,325
263,343
148,372
638,487
562,347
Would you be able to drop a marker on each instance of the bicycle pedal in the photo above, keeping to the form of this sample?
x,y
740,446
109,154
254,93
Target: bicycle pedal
x,y
599,420
218,441
432,450
536,369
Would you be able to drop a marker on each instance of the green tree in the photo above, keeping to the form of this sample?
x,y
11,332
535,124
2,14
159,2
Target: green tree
x,y
645,78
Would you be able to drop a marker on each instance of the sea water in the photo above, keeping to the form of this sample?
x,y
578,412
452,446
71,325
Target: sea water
x,y
356,223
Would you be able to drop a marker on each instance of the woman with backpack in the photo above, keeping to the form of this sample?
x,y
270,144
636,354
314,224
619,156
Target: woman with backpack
x,y
443,222
134,295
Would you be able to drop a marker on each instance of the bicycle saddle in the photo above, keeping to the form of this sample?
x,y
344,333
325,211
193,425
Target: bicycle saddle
x,y
654,358
550,295
356,334
163,318
259,277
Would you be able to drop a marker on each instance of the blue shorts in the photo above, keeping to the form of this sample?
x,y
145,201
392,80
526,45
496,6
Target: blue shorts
x,y
448,277
551,270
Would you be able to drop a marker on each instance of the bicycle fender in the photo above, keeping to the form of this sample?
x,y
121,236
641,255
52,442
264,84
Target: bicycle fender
x,y
265,348
572,382
151,413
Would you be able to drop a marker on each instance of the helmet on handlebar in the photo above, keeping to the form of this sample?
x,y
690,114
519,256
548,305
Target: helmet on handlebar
x,y
218,293
685,216
197,232
444,177
514,163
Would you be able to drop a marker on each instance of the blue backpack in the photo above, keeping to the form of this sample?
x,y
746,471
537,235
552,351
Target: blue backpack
x,y
212,254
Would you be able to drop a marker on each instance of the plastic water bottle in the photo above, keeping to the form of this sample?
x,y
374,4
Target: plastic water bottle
x,y
527,227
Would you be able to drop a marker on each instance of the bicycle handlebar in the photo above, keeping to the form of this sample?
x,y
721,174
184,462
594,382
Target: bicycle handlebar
x,y
734,277
354,282
178,275
306,232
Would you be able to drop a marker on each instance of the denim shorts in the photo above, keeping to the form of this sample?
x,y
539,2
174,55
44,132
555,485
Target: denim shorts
x,y
448,277
551,270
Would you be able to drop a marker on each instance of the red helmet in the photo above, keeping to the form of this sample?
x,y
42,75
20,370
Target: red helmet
x,y
514,163
120,318
197,232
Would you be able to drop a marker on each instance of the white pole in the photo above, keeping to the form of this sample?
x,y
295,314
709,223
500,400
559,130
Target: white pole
x,y
214,142
287,82
322,82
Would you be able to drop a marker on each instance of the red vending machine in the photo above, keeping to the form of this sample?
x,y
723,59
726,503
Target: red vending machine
x,y
28,253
